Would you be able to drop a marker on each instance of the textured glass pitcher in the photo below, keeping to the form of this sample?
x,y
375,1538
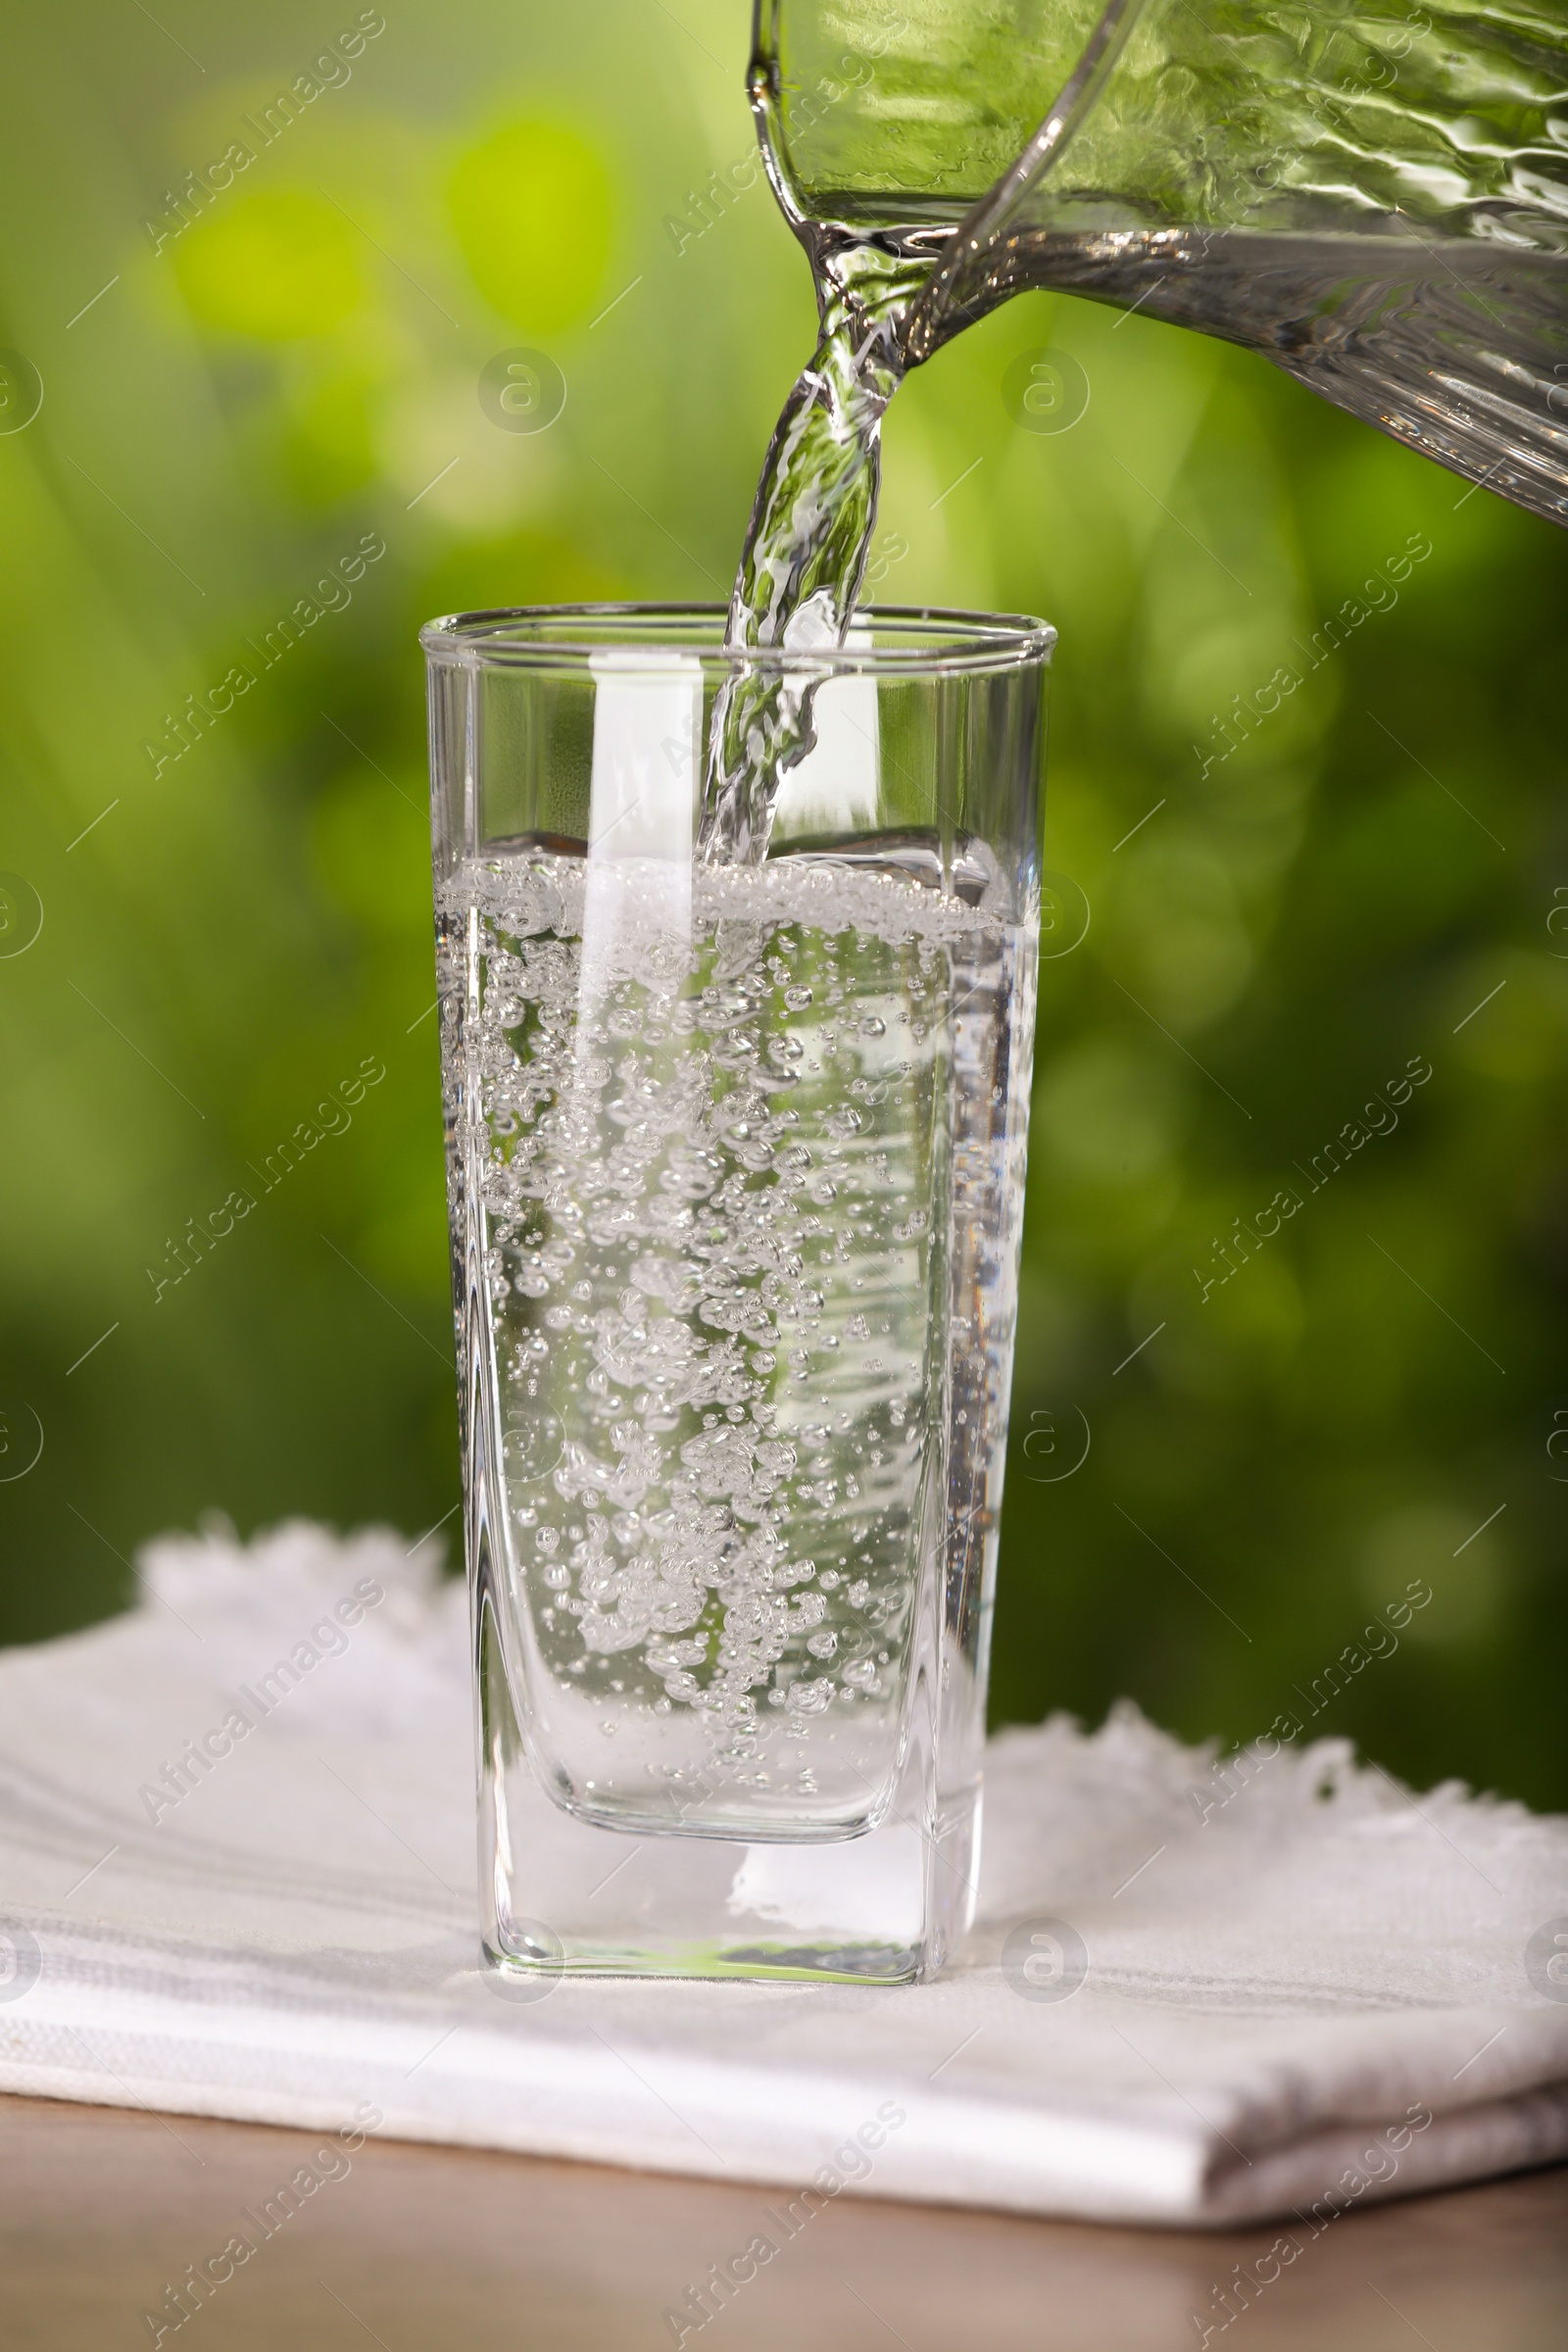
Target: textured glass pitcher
x,y
1373,195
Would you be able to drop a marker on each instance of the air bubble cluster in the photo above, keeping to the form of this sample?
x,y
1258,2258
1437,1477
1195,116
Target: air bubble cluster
x,y
707,1201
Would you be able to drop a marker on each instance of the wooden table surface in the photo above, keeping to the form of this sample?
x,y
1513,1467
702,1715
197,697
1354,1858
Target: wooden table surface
x,y
413,2247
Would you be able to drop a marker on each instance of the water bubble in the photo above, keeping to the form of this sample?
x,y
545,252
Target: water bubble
x,y
688,1432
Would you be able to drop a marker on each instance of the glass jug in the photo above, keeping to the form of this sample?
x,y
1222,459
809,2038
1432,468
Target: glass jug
x,y
1374,195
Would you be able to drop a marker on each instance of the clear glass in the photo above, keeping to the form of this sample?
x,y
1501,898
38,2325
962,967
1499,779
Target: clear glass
x,y
736,1157
1375,199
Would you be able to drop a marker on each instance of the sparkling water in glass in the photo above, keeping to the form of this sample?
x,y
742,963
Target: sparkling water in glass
x,y
736,1156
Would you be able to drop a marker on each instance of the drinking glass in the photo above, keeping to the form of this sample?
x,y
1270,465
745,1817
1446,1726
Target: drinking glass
x,y
736,1159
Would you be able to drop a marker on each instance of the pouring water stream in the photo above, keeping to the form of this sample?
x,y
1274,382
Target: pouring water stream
x,y
1398,257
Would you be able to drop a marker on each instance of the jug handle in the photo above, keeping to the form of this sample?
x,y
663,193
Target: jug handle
x,y
988,219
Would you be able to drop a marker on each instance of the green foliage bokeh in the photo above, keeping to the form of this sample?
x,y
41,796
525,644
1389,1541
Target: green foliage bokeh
x,y
233,937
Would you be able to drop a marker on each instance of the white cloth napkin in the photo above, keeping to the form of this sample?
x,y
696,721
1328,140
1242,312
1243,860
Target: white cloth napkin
x,y
1312,1996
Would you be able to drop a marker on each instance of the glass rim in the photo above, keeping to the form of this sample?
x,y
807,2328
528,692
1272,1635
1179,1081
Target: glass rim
x,y
953,642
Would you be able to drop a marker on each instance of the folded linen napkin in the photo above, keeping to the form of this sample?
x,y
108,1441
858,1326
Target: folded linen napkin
x,y
1300,1990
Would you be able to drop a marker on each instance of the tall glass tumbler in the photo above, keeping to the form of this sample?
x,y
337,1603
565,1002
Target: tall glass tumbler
x,y
736,1162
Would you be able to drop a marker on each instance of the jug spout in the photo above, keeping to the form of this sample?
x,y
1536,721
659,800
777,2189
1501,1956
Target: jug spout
x,y
1378,203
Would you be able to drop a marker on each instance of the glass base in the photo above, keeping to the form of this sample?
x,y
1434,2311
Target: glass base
x,y
567,1898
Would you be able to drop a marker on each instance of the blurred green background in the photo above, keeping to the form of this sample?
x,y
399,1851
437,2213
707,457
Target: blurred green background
x,y
228,936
